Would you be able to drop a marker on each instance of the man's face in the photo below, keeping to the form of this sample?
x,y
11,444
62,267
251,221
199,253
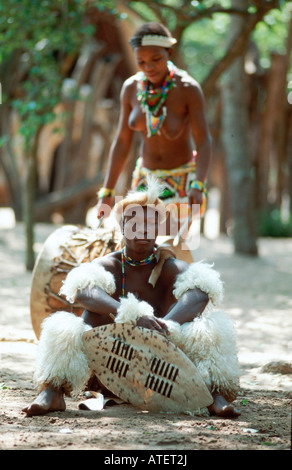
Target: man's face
x,y
140,224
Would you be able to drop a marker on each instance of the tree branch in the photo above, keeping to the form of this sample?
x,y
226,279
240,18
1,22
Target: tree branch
x,y
66,197
186,13
236,48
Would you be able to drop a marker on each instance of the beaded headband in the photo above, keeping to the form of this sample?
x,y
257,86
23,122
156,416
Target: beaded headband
x,y
153,40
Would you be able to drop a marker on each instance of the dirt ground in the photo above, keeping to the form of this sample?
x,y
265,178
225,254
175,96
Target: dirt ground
x,y
258,299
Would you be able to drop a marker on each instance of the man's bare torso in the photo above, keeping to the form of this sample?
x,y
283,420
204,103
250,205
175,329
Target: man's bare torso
x,y
160,297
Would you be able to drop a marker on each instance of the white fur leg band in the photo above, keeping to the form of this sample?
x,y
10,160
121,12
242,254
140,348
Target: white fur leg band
x,y
202,276
87,275
131,309
61,361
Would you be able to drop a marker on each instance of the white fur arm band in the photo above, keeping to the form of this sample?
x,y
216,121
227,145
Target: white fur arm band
x,y
87,275
202,276
131,309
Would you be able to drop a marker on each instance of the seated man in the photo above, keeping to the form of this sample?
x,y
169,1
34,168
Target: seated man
x,y
144,285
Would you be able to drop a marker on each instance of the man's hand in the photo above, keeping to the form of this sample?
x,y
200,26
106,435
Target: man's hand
x,y
153,323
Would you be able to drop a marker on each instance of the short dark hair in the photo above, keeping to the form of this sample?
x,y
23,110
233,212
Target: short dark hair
x,y
146,29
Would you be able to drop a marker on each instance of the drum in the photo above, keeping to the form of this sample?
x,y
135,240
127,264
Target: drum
x,y
65,249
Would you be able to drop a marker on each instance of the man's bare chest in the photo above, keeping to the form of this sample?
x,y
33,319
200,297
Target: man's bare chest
x,y
137,282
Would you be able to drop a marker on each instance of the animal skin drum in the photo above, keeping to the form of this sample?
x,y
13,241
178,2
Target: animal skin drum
x,y
144,368
65,249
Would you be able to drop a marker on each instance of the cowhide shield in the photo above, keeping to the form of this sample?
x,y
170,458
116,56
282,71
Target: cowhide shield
x,y
144,368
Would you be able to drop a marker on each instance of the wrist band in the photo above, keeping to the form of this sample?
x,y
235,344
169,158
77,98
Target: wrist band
x,y
199,185
131,309
105,192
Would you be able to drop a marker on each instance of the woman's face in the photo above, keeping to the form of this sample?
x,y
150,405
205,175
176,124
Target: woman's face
x,y
152,60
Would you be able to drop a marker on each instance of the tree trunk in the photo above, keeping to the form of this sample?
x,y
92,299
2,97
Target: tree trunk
x,y
29,200
282,128
11,74
8,162
238,158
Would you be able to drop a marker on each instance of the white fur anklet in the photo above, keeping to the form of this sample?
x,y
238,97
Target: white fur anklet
x,y
87,275
202,276
131,309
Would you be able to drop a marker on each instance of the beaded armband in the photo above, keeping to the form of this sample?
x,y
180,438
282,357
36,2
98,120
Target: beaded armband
x,y
105,192
199,185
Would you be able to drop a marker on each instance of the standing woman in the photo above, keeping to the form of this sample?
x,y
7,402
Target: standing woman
x,y
166,106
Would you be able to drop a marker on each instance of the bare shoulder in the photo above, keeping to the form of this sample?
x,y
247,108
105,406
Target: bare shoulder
x,y
171,268
187,80
129,86
188,84
110,262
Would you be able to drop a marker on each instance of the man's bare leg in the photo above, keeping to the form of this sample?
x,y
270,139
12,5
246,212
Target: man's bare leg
x,y
49,399
221,407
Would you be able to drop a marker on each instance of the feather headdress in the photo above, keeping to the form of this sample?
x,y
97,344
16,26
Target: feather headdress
x,y
148,197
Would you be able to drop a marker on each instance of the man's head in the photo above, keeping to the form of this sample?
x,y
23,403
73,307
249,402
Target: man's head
x,y
141,213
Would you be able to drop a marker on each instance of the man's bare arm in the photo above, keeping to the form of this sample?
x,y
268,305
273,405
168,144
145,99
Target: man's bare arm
x,y
189,306
97,301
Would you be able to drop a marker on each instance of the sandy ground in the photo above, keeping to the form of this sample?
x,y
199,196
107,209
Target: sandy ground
x,y
258,299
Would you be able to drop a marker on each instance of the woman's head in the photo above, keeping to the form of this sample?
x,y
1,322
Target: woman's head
x,y
152,34
152,43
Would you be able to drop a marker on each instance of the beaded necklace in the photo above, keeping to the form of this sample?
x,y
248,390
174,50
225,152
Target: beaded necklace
x,y
133,262
152,99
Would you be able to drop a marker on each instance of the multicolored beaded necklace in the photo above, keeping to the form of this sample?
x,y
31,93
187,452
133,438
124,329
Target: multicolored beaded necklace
x,y
133,262
152,99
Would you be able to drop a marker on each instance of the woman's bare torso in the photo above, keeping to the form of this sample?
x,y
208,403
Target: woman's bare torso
x,y
173,146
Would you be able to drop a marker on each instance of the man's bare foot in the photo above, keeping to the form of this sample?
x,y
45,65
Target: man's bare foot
x,y
220,407
50,399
